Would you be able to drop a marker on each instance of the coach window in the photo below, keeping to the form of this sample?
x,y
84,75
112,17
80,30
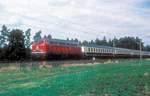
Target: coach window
x,y
93,49
96,50
90,49
87,49
100,50
108,50
103,50
111,50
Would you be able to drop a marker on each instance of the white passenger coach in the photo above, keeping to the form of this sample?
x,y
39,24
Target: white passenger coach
x,y
96,50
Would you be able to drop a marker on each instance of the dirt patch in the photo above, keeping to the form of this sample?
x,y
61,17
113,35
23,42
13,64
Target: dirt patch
x,y
45,66
88,64
2,69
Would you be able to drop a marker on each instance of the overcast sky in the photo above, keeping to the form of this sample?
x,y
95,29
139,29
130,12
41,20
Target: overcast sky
x,y
82,19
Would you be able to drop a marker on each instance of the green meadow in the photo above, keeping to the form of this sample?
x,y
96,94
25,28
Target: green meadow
x,y
126,78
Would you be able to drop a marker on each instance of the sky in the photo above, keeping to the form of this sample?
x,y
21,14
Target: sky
x,y
82,19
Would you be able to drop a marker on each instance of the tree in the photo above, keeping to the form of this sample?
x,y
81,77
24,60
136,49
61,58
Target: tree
x,y
37,36
27,43
49,37
138,41
27,38
16,47
45,37
67,39
76,40
115,42
147,48
130,43
85,42
4,34
101,42
97,41
110,42
104,41
92,42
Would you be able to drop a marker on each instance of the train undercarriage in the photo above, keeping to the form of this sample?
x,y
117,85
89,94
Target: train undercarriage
x,y
51,56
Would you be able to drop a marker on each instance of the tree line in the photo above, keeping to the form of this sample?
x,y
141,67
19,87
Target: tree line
x,y
123,42
15,44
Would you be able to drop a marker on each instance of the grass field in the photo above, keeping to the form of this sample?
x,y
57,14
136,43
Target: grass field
x,y
128,78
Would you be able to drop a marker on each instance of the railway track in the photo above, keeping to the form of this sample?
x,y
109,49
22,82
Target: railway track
x,y
54,63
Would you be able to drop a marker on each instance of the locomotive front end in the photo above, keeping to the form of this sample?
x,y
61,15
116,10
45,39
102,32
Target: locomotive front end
x,y
39,49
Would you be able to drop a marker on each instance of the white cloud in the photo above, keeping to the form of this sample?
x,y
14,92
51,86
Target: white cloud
x,y
78,18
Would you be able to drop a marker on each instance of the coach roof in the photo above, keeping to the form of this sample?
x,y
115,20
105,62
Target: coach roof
x,y
63,41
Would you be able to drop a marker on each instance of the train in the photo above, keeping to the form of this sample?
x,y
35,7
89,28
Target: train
x,y
61,49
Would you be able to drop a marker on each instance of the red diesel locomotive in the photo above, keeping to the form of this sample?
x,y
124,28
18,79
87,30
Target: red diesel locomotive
x,y
55,49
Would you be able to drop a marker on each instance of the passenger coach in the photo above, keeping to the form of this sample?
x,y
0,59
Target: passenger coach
x,y
105,51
